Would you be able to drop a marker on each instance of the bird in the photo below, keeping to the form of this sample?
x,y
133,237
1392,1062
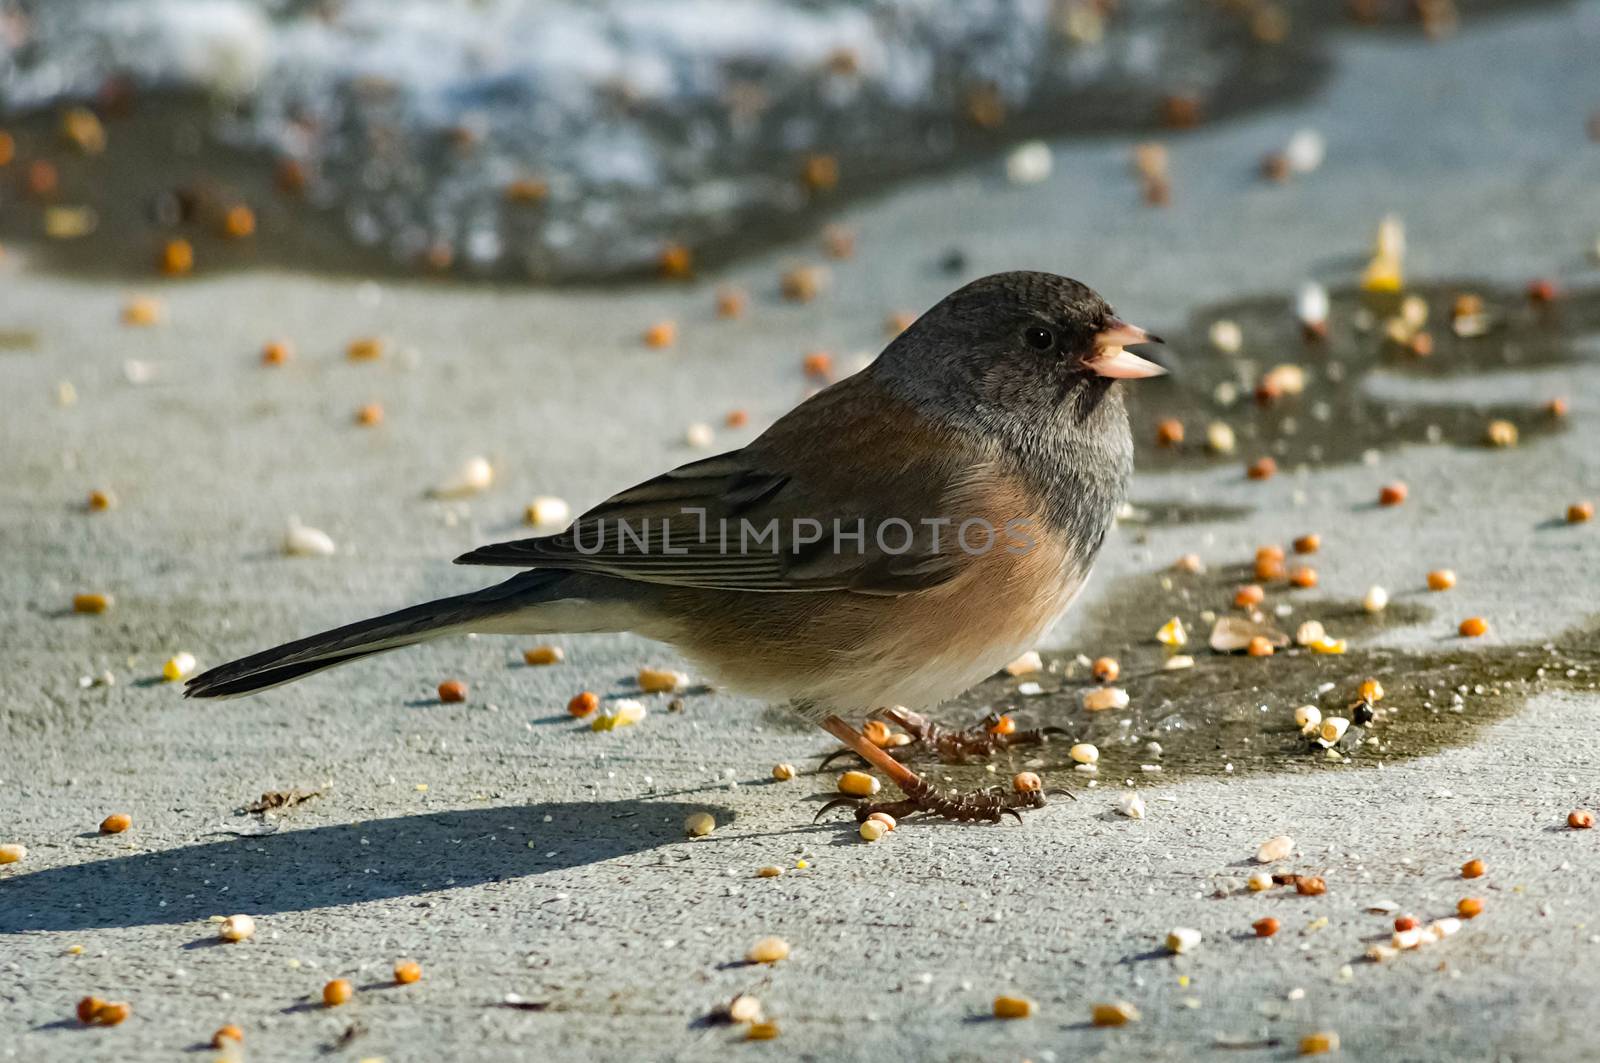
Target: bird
x,y
891,541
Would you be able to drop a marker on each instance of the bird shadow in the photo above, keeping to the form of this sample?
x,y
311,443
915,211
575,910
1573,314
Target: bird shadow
x,y
347,863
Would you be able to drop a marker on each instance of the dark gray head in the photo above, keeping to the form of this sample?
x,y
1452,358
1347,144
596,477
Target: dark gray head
x,y
1033,344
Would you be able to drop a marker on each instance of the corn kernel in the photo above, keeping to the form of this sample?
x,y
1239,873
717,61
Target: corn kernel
x,y
871,830
1010,1007
337,992
407,972
699,824
178,667
91,603
537,656
1115,1013
237,928
116,823
768,950
858,784
784,772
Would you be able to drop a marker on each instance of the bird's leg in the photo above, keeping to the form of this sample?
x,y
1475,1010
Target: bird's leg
x,y
985,738
987,806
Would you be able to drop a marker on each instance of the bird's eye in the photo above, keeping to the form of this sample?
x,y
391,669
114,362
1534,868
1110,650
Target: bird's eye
x,y
1040,339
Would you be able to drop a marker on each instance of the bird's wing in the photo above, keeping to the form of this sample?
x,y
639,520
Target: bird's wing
x,y
837,495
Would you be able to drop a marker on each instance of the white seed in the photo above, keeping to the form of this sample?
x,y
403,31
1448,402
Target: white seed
x,y
1333,729
744,1008
1309,717
1375,600
237,928
872,830
1084,753
1178,661
1131,805
1311,304
1305,150
699,824
1414,312
301,541
1220,438
624,712
662,681
1446,927
1275,849
1029,163
1406,939
1309,633
11,854
1381,953
699,435
548,513
1102,698
1391,242
474,475
1027,664
1182,939
1260,881
1226,336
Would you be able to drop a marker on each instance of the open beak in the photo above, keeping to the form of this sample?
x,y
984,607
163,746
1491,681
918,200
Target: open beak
x,y
1110,359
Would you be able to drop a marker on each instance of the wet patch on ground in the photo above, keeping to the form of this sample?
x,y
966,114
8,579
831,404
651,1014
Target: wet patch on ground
x,y
1234,714
1340,414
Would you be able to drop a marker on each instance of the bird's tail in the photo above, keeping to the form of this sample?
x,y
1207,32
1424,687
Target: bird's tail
x,y
462,613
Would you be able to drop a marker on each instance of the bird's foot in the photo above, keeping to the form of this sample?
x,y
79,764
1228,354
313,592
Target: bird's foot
x,y
924,798
988,736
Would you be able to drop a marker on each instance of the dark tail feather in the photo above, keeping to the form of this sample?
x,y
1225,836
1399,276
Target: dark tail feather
x,y
406,627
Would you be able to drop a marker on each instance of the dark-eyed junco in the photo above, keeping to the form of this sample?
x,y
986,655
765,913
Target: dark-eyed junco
x,y
890,541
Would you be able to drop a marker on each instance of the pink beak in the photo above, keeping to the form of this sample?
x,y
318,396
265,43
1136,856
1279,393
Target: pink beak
x,y
1112,360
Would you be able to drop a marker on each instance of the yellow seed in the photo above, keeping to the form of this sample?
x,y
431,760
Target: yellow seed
x,y
744,1008
91,603
1328,644
768,950
1117,1013
871,830
11,854
178,667
1008,1007
237,928
1084,753
1315,1044
1501,434
141,311
407,972
699,824
365,349
543,655
770,871
1372,690
1172,633
858,784
116,823
761,1031
884,818
662,681
784,772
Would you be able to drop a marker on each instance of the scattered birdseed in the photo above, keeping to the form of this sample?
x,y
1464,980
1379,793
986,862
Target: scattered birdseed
x,y
1177,662
1274,849
583,703
1305,150
12,854
542,655
225,1034
1084,753
239,222
770,871
1309,717
1501,434
877,732
88,1008
1403,923
662,681
116,823
1220,438
1469,907
1260,881
407,972
91,603
1371,690
768,950
1265,927
1169,433
142,311
369,415
675,261
699,435
1320,1043
1332,730
804,283
871,830
1392,494
699,824
743,1008
859,784
731,302
1472,869
1029,163
1261,469
1329,645
839,241
1115,1013
1182,939
661,334
883,817
301,541
1310,885
1375,600
1577,819
1309,633
237,928
1311,307
1106,669
624,712
1580,512
337,992
548,513
1260,646
1027,782
1249,595
1103,698
1027,664
1009,1007
178,667
1131,805
1190,563
761,1031
1172,633
475,475
276,352
365,349
1226,336
1303,576
100,501
784,772
177,258
1473,626
452,690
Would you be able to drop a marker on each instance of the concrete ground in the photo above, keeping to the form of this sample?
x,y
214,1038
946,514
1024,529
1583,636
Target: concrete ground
x,y
523,858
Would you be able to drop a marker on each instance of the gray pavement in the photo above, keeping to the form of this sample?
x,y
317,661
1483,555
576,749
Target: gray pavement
x,y
513,852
